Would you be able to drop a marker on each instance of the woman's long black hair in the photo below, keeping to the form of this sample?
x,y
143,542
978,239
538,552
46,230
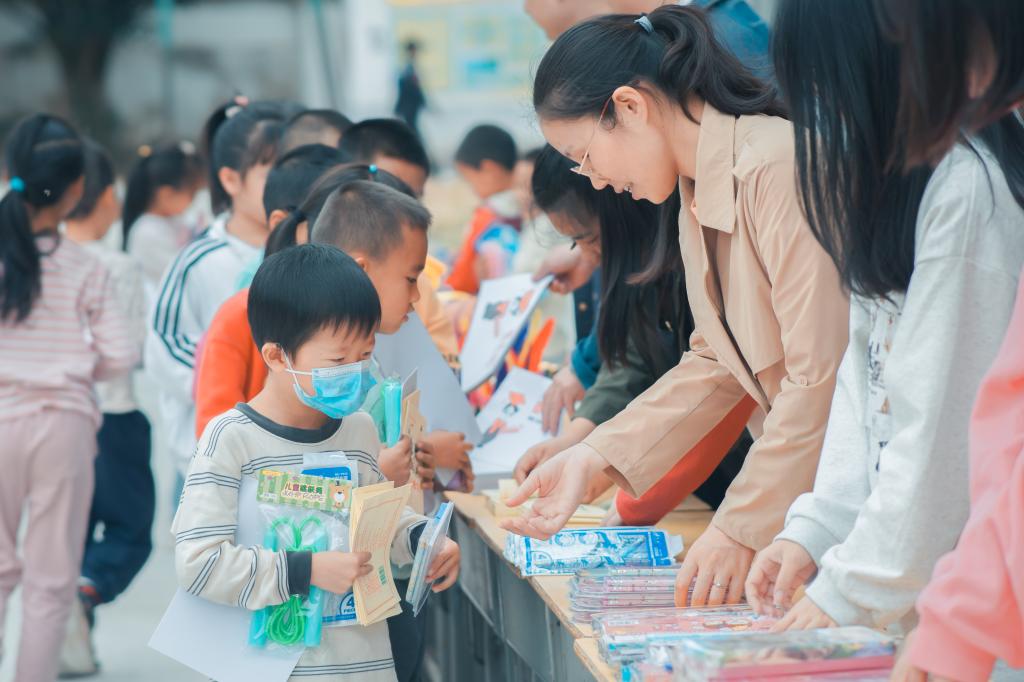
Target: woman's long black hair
x,y
42,159
630,312
943,42
679,58
841,80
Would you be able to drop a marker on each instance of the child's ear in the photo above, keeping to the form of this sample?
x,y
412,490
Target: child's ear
x,y
362,260
275,218
273,355
230,179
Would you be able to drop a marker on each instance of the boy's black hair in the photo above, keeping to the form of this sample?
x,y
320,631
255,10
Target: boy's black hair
x,y
301,290
374,137
294,173
99,175
487,143
368,217
314,126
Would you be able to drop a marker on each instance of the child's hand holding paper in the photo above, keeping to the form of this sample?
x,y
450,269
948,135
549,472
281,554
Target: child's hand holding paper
x,y
336,571
445,565
394,462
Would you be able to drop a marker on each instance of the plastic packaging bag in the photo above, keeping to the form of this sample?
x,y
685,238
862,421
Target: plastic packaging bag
x,y
571,550
431,541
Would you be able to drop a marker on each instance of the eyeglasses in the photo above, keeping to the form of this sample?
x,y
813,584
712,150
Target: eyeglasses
x,y
578,170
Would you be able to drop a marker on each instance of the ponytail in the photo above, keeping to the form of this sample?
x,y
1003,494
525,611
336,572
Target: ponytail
x,y
42,158
672,50
240,135
173,165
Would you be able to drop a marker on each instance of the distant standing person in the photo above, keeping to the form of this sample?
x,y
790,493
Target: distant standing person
x,y
411,99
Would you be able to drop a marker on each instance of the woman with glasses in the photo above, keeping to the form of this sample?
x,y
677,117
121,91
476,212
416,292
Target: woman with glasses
x,y
656,107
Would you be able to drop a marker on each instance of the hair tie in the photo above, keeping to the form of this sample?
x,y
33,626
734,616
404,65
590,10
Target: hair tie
x,y
17,184
373,170
645,23
300,215
145,150
186,148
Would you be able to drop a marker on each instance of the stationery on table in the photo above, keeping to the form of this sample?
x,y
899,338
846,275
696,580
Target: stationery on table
x,y
432,541
511,424
503,307
625,635
569,551
375,514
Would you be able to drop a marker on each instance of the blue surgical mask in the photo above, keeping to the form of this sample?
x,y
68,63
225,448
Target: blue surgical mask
x,y
337,391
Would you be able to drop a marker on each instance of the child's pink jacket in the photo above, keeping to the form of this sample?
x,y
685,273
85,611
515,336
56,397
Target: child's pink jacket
x,y
972,612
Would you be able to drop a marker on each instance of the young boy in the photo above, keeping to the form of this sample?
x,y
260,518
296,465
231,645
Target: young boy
x,y
311,308
486,160
391,145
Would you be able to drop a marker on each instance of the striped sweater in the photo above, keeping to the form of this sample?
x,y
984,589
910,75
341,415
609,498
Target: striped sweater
x,y
199,280
209,564
75,335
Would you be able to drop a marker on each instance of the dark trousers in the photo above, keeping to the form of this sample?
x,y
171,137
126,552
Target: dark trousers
x,y
407,634
123,503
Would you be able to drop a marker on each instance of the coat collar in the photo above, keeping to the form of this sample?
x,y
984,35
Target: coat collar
x,y
714,189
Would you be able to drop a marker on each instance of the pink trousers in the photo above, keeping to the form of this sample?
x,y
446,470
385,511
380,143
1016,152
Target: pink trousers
x,y
46,473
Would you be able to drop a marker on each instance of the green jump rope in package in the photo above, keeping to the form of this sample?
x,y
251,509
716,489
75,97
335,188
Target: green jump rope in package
x,y
304,511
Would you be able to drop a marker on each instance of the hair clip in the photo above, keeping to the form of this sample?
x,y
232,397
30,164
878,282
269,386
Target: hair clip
x,y
232,110
645,23
144,150
46,193
186,148
17,184
373,169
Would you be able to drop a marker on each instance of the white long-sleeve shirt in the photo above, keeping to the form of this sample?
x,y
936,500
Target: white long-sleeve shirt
x,y
209,563
891,493
200,279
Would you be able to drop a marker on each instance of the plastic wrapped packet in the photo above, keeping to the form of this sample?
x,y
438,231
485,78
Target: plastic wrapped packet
x,y
794,653
605,580
626,635
571,550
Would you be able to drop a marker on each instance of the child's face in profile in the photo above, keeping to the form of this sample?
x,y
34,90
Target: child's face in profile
x,y
248,200
330,347
395,278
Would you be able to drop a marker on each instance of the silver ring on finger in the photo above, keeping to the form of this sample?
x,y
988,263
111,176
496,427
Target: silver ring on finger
x,y
719,585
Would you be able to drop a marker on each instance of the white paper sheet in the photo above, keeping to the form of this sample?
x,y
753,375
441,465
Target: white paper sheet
x,y
212,638
511,424
442,401
503,307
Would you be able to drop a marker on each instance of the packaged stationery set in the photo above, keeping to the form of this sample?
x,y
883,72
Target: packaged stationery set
x,y
569,551
851,654
625,635
601,590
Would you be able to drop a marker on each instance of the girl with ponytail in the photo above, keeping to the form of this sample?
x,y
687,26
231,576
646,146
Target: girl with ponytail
x,y
61,330
160,189
655,106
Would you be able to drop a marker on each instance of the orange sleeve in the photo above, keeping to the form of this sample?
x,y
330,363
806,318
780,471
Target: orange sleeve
x,y
463,276
689,472
224,370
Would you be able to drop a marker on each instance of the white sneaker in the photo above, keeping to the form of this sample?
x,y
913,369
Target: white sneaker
x,y
77,658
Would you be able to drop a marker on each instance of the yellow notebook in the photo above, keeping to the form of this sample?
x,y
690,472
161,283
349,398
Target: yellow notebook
x,y
375,514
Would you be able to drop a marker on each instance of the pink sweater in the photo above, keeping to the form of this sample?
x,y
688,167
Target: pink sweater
x,y
972,612
75,335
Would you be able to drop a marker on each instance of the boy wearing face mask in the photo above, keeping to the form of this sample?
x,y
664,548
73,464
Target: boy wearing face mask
x,y
314,314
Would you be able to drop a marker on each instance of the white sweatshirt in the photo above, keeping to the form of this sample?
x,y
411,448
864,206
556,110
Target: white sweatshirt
x,y
199,280
891,493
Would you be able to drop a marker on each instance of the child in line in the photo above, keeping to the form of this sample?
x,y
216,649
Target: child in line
x,y
155,221
242,145
311,308
287,183
390,145
123,500
314,126
61,330
486,159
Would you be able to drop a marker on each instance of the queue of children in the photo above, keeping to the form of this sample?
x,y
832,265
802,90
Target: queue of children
x,y
808,267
